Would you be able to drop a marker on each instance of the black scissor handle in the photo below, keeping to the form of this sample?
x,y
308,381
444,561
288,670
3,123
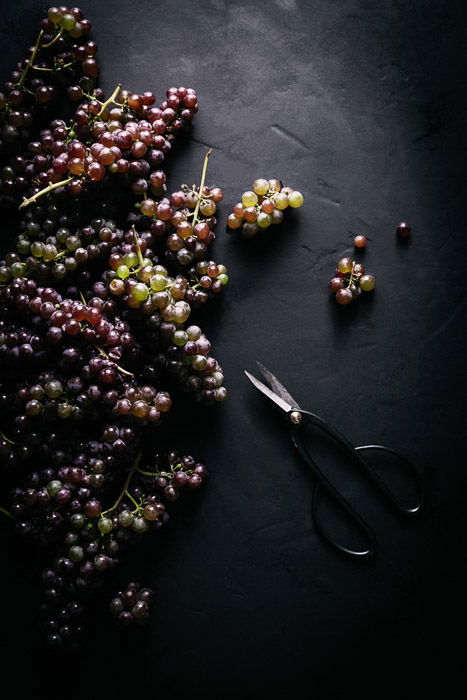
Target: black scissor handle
x,y
406,466
323,482
354,456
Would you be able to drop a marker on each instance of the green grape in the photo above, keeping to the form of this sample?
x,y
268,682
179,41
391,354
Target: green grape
x,y
260,186
53,389
199,363
181,311
19,269
367,283
193,332
123,271
223,278
139,292
281,201
68,22
131,259
180,338
49,252
23,246
76,553
249,199
263,220
37,249
295,199
54,15
53,487
158,282
4,274
160,270
105,525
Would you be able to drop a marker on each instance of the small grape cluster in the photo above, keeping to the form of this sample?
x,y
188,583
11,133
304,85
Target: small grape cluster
x,y
350,280
263,206
131,605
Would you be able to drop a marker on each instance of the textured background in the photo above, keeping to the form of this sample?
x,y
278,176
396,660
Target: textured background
x,y
361,105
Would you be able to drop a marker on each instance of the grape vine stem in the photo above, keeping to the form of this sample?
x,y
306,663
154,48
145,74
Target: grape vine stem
x,y
111,99
51,186
203,178
31,60
124,490
6,512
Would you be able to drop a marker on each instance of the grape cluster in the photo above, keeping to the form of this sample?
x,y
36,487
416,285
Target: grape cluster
x,y
262,206
98,334
131,604
61,63
350,280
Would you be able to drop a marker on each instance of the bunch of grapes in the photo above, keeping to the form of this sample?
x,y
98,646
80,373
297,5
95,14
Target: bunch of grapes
x,y
263,206
350,280
98,333
61,64
132,604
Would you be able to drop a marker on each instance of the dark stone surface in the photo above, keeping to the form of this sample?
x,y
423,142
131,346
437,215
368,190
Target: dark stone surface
x,y
361,105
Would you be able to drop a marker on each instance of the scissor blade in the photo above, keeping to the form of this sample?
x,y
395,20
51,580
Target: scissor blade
x,y
276,386
280,403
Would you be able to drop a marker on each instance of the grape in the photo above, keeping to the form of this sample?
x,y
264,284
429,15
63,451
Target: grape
x,y
367,283
360,241
295,199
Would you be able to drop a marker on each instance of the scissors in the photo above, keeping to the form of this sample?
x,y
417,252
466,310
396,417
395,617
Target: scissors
x,y
297,418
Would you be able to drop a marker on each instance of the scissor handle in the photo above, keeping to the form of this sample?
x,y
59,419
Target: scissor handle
x,y
324,482
407,466
354,455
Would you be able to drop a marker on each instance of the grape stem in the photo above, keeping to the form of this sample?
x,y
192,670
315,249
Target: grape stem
x,y
31,60
6,512
52,41
4,437
203,178
120,369
147,473
138,248
111,99
49,188
124,490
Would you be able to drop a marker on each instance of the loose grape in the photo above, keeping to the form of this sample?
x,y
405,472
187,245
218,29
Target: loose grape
x,y
404,230
360,241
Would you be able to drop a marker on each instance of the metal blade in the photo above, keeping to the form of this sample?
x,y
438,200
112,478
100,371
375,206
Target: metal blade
x,y
276,386
280,403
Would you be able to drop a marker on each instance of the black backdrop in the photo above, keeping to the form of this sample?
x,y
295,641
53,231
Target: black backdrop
x,y
361,105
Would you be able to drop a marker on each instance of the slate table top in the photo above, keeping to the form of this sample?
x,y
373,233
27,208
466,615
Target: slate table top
x,y
362,106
